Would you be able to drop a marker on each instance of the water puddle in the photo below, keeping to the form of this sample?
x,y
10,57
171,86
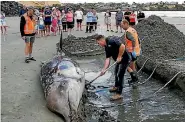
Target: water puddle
x,y
166,106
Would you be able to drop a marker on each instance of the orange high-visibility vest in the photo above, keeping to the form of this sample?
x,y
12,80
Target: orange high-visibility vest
x,y
132,17
128,43
29,27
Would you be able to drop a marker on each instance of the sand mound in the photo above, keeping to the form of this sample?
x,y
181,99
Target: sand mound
x,y
161,40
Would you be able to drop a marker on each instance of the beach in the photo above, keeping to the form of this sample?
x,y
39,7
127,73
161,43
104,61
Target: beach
x,y
22,96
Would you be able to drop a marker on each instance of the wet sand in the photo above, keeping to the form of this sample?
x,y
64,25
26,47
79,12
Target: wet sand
x,y
22,95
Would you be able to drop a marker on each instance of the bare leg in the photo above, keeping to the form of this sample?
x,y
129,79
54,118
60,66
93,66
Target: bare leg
x,y
81,26
5,30
1,29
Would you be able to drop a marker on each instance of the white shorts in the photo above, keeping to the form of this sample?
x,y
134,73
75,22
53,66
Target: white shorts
x,y
108,21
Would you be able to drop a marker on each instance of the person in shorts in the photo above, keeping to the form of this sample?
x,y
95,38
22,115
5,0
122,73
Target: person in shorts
x,y
79,18
41,25
58,14
3,23
47,20
69,18
119,18
64,21
107,20
27,29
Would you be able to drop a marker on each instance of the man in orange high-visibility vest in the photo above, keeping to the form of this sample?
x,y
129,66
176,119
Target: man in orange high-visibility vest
x,y
27,29
133,48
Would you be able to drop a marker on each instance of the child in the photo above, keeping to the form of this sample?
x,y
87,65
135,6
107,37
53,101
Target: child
x,y
41,25
54,21
64,21
3,23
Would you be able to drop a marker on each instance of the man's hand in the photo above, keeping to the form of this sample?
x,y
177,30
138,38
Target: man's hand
x,y
23,37
119,59
134,54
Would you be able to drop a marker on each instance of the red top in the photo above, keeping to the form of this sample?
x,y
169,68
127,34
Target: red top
x,y
132,17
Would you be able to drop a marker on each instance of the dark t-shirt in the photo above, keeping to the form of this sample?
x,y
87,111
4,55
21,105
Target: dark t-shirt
x,y
140,15
127,13
47,19
112,47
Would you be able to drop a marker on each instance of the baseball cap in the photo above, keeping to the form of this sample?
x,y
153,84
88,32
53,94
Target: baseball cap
x,y
30,7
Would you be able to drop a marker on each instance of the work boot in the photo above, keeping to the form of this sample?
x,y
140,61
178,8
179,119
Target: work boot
x,y
113,89
116,97
134,78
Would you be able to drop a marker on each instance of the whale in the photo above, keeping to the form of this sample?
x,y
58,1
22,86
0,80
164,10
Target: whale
x,y
63,83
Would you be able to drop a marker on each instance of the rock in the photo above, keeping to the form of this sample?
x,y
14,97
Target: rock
x,y
161,40
10,8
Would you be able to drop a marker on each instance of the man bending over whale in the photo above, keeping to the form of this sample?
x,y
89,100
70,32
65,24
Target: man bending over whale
x,y
115,49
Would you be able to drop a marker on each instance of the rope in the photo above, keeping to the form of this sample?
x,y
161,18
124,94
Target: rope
x,y
143,65
149,76
160,88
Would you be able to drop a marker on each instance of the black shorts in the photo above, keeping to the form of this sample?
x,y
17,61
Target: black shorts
x,y
70,24
79,20
132,23
47,23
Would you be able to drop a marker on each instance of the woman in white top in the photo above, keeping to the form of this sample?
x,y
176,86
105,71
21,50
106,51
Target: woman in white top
x,y
108,20
79,19
3,23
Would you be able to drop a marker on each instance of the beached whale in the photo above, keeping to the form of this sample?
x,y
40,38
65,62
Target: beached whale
x,y
63,83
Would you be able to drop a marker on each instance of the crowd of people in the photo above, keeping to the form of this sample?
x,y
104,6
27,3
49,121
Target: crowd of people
x,y
130,16
41,23
53,20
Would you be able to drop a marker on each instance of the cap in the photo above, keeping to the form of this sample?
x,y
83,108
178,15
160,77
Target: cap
x,y
30,7
53,8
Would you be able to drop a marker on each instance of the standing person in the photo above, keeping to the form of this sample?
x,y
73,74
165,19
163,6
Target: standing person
x,y
119,17
36,18
54,21
59,19
127,15
132,44
89,21
64,21
27,29
140,16
23,11
115,49
79,19
132,18
94,20
107,20
47,20
41,25
3,23
69,18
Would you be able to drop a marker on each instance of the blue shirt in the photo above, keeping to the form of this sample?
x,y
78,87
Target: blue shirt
x,y
89,17
94,18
